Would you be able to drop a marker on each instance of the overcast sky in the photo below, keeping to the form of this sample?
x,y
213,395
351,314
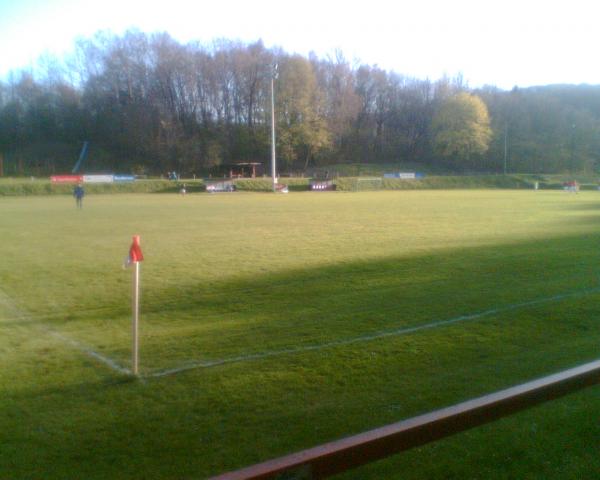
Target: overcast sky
x,y
502,43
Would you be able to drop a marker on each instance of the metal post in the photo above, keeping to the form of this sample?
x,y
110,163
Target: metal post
x,y
134,324
273,169
505,145
572,169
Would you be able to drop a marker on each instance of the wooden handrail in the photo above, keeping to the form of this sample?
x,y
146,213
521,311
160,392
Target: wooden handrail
x,y
350,452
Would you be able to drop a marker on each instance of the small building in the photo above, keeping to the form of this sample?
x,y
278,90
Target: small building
x,y
245,170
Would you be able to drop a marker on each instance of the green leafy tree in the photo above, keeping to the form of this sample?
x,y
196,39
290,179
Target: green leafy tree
x,y
461,129
301,123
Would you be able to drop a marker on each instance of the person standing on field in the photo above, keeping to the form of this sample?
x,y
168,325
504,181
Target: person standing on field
x,y
78,193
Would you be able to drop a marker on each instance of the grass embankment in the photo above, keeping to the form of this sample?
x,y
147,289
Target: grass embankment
x,y
435,183
230,276
24,187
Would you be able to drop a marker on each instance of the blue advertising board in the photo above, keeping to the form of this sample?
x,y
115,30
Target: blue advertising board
x,y
124,178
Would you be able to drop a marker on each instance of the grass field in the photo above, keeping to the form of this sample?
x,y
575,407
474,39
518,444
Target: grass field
x,y
272,323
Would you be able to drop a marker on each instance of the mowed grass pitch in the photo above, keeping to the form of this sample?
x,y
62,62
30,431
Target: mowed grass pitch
x,y
295,305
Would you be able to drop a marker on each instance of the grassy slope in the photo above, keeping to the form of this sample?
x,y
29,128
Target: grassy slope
x,y
231,275
28,187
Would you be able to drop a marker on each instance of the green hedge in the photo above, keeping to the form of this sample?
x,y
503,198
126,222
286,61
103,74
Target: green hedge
x,y
20,186
438,182
266,184
16,187
349,184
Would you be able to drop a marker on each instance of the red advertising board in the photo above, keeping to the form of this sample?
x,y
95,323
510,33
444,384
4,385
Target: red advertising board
x,y
66,178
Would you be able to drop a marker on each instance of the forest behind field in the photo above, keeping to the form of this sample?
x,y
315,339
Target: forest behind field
x,y
148,104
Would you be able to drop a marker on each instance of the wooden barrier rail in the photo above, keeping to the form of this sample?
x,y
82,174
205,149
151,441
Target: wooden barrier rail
x,y
350,452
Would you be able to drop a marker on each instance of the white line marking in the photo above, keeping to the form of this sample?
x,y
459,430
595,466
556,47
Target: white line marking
x,y
370,337
7,302
19,313
89,352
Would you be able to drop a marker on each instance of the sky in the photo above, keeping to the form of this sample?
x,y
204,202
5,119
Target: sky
x,y
502,43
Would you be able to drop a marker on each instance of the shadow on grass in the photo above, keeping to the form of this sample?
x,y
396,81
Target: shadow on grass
x,y
329,302
239,416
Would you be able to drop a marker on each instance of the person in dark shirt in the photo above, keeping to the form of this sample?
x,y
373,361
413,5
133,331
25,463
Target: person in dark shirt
x,y
78,193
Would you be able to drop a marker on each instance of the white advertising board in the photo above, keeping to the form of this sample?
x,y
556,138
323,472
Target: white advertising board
x,y
98,178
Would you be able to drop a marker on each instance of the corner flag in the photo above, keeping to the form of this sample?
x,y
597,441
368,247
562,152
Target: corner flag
x,y
135,252
135,257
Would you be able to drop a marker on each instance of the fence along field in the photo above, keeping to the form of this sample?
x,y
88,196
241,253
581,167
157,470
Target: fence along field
x,y
328,314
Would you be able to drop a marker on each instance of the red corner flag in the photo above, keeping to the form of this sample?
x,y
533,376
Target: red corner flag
x,y
135,256
135,252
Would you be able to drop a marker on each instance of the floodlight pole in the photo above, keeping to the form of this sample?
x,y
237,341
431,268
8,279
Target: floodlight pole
x,y
572,166
505,146
273,168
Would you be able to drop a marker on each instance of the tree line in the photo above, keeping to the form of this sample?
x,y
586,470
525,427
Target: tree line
x,y
149,104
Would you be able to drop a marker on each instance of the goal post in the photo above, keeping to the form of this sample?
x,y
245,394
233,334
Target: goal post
x,y
361,184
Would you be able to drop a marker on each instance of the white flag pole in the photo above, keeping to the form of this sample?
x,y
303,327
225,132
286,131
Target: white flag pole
x,y
134,323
